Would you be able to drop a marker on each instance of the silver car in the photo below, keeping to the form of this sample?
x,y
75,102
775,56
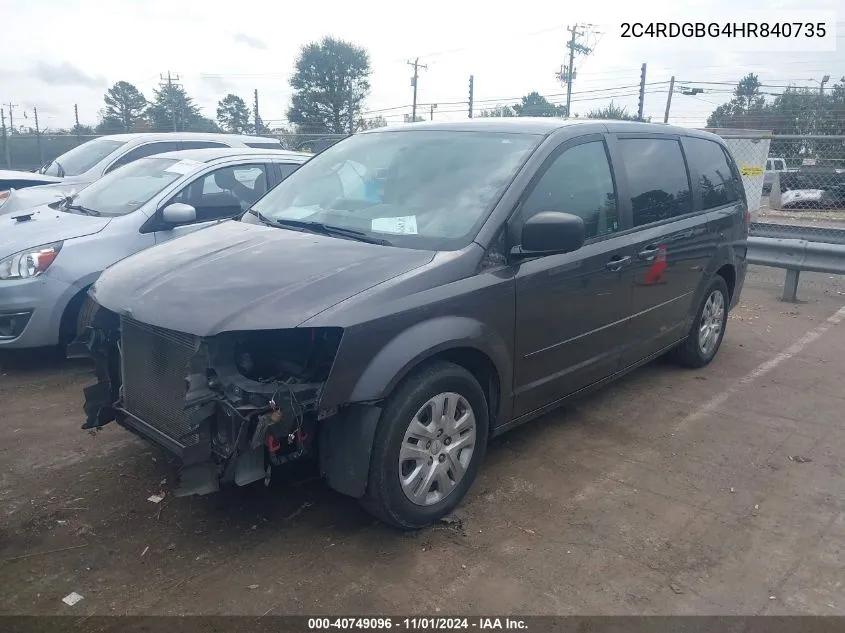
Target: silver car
x,y
50,255
90,161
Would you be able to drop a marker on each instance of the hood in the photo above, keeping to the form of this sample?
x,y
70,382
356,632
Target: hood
x,y
10,175
45,227
36,196
239,276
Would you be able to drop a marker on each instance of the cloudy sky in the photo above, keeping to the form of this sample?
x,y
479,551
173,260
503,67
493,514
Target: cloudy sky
x,y
54,54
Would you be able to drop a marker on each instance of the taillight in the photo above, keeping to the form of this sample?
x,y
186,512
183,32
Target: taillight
x,y
4,195
747,219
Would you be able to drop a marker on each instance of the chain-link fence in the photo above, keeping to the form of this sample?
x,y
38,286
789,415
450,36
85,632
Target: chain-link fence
x,y
800,180
28,152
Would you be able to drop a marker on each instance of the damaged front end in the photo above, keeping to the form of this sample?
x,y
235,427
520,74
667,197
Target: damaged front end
x,y
230,406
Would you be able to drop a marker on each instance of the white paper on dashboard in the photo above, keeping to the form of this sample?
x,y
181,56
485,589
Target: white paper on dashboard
x,y
406,225
183,167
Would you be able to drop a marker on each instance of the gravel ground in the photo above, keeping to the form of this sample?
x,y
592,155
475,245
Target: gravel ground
x,y
670,492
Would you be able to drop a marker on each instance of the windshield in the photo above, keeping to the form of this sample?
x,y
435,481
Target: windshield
x,y
423,189
128,188
81,158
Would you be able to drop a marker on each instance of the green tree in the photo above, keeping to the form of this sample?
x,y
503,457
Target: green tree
x,y
330,85
233,114
124,104
534,104
611,111
108,124
203,124
82,130
498,112
173,110
371,124
747,109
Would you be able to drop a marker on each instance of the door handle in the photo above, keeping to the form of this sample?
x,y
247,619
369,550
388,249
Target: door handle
x,y
648,252
617,263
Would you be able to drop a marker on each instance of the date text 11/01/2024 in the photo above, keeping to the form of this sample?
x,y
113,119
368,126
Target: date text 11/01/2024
x,y
418,623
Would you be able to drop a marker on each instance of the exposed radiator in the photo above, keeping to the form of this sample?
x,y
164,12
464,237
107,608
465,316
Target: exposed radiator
x,y
154,367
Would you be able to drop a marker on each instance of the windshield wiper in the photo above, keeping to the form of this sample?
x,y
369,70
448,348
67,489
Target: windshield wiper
x,y
81,209
323,229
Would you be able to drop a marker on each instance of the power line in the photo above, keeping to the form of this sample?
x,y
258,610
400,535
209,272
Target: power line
x,y
504,100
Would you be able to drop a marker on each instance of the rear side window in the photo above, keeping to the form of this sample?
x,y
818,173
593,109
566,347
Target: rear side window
x,y
142,151
657,179
266,145
286,169
717,184
202,145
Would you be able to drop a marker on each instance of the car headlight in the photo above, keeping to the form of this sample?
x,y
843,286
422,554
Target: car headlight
x,y
29,263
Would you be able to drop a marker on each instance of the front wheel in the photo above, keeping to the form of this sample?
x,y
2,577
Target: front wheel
x,y
708,328
86,314
428,447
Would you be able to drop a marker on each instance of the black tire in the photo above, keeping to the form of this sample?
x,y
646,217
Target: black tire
x,y
384,497
86,314
690,353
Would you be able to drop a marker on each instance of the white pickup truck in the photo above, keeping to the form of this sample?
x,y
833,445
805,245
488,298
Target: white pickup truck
x,y
773,165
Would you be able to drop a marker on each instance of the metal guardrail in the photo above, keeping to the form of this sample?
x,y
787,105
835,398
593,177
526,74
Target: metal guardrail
x,y
796,249
791,231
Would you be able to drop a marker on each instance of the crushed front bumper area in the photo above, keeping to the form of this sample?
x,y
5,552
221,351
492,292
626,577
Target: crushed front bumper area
x,y
227,421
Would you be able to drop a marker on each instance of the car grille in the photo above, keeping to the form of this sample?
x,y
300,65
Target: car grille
x,y
155,366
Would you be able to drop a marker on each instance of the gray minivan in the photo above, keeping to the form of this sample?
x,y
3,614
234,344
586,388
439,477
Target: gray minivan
x,y
411,292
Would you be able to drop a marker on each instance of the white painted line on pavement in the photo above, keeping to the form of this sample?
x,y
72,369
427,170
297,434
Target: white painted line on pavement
x,y
762,369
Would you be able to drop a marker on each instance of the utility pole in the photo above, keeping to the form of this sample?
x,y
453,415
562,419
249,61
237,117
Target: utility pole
x,y
416,64
471,89
38,136
5,138
433,108
76,118
567,73
255,111
669,99
11,107
642,94
168,81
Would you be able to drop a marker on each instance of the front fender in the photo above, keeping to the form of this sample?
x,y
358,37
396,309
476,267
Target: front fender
x,y
409,349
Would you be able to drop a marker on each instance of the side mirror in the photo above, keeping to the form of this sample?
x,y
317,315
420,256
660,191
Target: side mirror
x,y
178,213
551,232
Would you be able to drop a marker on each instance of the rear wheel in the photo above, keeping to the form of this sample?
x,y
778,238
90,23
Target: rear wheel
x,y
428,447
708,328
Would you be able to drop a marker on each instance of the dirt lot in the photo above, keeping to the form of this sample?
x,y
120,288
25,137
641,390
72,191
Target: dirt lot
x,y
716,491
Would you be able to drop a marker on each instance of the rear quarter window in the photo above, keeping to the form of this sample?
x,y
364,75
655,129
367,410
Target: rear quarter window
x,y
715,176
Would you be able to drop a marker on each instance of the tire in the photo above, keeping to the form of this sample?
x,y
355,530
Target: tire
x,y
430,466
86,314
692,352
